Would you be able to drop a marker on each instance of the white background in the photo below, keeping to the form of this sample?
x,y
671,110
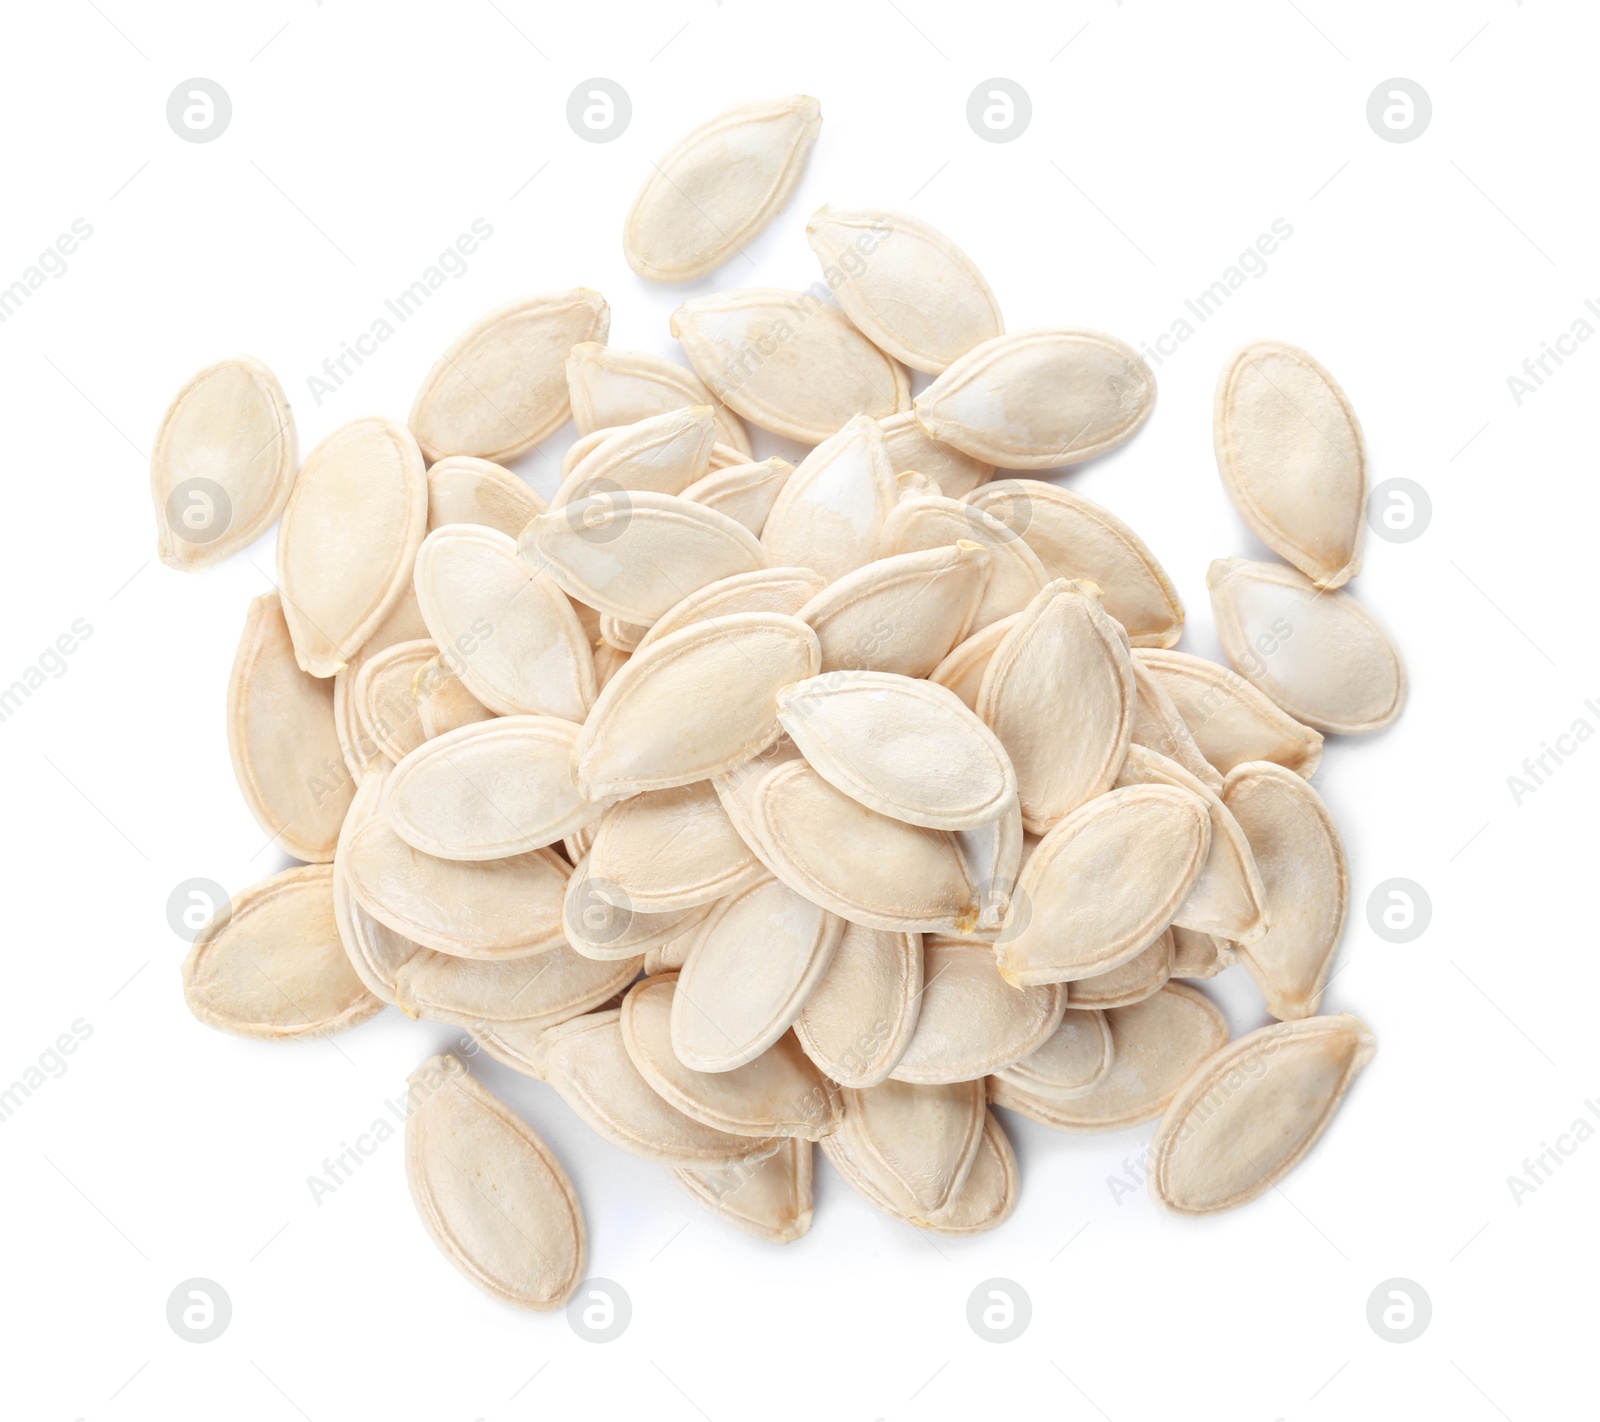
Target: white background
x,y
1165,138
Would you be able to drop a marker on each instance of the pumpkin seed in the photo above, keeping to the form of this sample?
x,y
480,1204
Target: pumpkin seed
x,y
963,669
385,697
1157,726
743,492
1249,1114
725,1012
229,430
600,929
1039,399
787,362
402,624
719,187
1058,693
1142,975
1198,955
972,1022
1338,671
1077,912
917,295
466,490
651,727
501,387
611,388
1071,1062
1075,538
781,590
275,966
1305,882
858,1019
912,449
661,454
511,635
989,1194
769,1198
376,951
443,702
283,739
671,956
993,856
549,989
830,512
1015,573
915,1144
348,539
1290,454
903,747
490,1192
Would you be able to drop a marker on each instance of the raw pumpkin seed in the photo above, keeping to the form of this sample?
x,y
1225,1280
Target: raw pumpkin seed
x,y
988,1195
548,989
1157,726
662,454
857,1021
1198,955
915,1144
1072,1060
963,669
599,928
913,450
1142,975
385,697
611,388
769,1198
462,489
443,701
830,513
781,590
1015,573
403,623
743,492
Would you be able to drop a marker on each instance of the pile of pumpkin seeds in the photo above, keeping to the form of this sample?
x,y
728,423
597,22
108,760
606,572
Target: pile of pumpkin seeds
x,y
751,805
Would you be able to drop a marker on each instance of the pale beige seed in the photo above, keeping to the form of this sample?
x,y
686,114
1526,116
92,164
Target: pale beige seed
x,y
608,661
496,908
1072,1061
636,554
273,966
376,951
1077,911
490,1192
830,514
1142,975
972,1022
1075,538
788,362
501,387
863,866
1227,898
386,700
1290,453
545,990
1250,1113
653,726
1015,573
348,539
845,1158
229,430
1157,726
915,293
661,454
1198,955
601,929
667,850
721,184
585,445
670,956
728,1010
988,1195
1040,399
1319,655
1230,720
857,1021
916,1144
462,489
283,739
781,590
963,669
903,747
743,492
403,623
912,449
443,702
993,856
1058,693
487,791
611,388
768,1198
1157,1045
1305,880
902,614
588,1065
510,635
778,1093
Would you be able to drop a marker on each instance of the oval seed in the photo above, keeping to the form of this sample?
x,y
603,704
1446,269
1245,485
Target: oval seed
x,y
743,492
915,293
1290,454
1230,720
1247,1116
283,739
903,747
912,449
490,1193
402,623
513,637
1336,669
662,454
385,697
462,489
915,1144
601,929
443,702
348,539
857,1021
1141,976
487,791
1075,538
972,1022
610,388
963,669
719,187
545,990
993,856
376,951
778,1093
1077,912
229,430
1157,726
501,387
1058,693
788,362
1072,1060
275,966
989,1194
781,590
1015,573
726,1012
1305,882
1040,399
769,1198
830,514
670,956
652,728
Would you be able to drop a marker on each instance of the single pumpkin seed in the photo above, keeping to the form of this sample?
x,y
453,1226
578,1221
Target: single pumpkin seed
x,y
993,856
611,388
963,669
1072,1060
857,1021
548,989
1157,726
1142,975
403,623
915,1144
743,492
989,1194
831,511
376,951
912,449
671,955
443,702
661,454
601,929
769,1198
781,590
385,697
1015,573
462,489
1198,955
